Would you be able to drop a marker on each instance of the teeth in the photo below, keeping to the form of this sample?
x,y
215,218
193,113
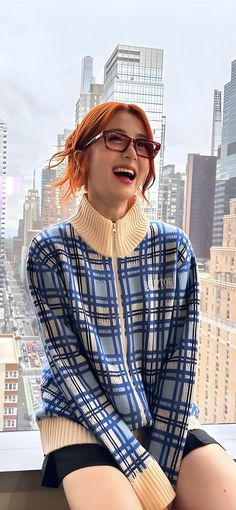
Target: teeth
x,y
126,170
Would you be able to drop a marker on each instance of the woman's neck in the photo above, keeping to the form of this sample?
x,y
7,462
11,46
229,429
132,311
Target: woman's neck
x,y
110,211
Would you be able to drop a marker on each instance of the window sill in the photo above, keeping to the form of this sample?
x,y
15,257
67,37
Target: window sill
x,y
21,451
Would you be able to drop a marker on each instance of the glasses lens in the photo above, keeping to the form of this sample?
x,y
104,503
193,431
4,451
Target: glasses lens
x,y
116,141
146,148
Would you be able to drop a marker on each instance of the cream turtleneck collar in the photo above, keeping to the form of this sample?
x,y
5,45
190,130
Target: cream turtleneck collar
x,y
98,231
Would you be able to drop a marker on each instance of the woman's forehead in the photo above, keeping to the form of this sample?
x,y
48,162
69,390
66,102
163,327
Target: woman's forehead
x,y
126,121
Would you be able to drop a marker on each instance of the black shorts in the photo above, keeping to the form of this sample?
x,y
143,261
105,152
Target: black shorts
x,y
63,461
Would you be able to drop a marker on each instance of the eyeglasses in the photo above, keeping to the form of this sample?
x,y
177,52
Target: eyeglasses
x,y
118,142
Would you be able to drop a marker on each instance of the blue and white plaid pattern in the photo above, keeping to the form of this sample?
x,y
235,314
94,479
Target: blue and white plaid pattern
x,y
88,378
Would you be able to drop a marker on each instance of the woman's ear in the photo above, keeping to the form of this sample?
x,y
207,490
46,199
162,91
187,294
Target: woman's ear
x,y
78,156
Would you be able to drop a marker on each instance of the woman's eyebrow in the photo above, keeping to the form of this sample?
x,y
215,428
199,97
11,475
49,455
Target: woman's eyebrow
x,y
120,130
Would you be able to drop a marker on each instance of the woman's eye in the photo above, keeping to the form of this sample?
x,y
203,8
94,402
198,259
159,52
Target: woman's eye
x,y
142,145
115,138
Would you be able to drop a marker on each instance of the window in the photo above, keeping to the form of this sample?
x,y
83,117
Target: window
x,y
10,374
9,423
10,410
11,386
231,148
10,398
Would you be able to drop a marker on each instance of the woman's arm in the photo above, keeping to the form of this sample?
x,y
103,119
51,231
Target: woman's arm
x,y
174,390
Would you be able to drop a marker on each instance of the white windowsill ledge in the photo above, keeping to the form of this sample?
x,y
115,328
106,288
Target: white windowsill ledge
x,y
21,451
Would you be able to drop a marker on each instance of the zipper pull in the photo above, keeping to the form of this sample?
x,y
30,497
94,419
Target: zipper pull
x,y
114,227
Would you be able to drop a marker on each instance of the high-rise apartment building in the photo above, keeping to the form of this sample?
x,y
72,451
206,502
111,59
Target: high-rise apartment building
x,y
82,107
3,169
87,101
53,209
226,163
50,206
199,202
61,139
31,221
95,94
133,74
216,123
216,378
31,211
63,209
171,196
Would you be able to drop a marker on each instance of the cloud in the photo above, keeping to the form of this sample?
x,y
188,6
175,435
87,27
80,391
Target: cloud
x,y
42,44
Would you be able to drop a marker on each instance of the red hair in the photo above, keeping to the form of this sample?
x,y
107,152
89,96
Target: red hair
x,y
75,176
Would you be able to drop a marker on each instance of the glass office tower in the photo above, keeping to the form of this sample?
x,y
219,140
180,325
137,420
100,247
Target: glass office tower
x,y
87,78
133,74
216,123
226,164
86,74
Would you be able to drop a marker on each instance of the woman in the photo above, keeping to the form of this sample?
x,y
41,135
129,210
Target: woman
x,y
117,300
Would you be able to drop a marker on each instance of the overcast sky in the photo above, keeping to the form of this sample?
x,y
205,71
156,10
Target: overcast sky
x,y
42,44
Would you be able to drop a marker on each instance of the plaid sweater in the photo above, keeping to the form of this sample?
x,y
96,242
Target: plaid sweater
x,y
118,310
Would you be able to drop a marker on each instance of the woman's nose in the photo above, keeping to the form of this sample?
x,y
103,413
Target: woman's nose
x,y
131,151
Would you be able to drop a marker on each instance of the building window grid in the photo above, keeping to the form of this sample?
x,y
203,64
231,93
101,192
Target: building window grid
x,y
11,374
10,410
11,386
9,423
10,398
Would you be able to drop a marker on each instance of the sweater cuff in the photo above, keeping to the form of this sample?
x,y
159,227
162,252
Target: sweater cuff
x,y
194,423
153,487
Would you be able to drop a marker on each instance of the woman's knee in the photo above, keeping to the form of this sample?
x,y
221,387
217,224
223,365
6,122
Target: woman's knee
x,y
207,480
99,488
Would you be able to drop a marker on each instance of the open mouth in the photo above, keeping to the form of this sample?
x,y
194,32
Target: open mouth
x,y
125,173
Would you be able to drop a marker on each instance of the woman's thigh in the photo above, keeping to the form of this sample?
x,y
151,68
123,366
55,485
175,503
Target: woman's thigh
x,y
207,480
99,488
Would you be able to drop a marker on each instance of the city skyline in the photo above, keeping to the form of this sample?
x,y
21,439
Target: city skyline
x,y
40,70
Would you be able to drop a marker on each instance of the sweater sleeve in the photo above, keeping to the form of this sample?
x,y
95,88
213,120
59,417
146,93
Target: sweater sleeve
x,y
172,407
80,390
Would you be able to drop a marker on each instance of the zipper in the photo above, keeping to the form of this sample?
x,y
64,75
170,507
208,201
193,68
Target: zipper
x,y
120,311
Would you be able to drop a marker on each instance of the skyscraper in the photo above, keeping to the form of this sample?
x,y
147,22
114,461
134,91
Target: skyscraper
x,y
49,197
171,196
53,209
133,74
82,105
90,93
86,74
226,164
88,101
31,221
63,210
31,213
3,170
216,123
199,202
